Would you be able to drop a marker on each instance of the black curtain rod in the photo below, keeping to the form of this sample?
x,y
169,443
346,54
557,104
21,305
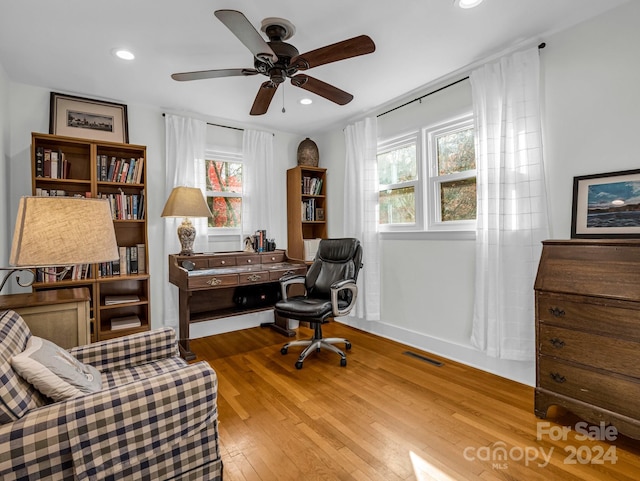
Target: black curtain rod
x,y
223,126
541,46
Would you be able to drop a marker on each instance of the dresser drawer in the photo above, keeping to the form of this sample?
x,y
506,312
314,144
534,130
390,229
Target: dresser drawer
x,y
599,316
607,391
209,281
602,352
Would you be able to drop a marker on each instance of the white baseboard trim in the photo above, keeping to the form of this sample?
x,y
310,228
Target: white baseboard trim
x,y
229,324
519,371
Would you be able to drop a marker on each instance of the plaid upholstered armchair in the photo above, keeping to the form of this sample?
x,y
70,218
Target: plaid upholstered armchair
x,y
154,417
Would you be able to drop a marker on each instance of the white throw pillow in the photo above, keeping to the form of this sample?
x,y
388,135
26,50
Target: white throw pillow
x,y
54,372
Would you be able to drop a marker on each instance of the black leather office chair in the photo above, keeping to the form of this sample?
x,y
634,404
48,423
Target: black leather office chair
x,y
331,291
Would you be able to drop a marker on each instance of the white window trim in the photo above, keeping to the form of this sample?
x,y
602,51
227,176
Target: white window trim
x,y
434,222
394,143
214,153
428,225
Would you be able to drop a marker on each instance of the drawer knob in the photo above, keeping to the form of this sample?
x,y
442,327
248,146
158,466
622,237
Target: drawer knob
x,y
273,258
557,377
214,281
254,277
249,261
556,312
558,343
223,262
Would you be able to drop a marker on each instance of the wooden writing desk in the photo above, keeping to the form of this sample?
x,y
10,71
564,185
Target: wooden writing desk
x,y
208,290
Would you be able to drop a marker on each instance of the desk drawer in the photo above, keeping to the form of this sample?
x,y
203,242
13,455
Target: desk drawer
x,y
248,260
211,281
222,261
602,389
257,277
272,257
600,316
277,274
602,352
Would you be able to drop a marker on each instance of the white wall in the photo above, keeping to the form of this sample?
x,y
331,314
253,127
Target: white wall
x,y
5,241
590,82
28,111
590,78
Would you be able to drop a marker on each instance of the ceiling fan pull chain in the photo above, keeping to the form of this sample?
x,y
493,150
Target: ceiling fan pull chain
x,y
283,110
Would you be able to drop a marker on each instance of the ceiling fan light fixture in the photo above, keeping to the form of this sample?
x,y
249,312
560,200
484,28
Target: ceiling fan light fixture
x,y
306,101
469,3
123,53
288,27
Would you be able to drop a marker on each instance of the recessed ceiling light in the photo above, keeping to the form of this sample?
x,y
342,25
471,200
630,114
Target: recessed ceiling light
x,y
306,101
123,54
469,3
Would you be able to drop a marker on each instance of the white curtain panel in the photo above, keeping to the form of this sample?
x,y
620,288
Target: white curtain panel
x,y
185,141
360,211
512,206
259,182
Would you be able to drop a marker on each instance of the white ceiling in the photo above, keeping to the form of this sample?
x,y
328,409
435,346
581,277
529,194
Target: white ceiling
x,y
65,46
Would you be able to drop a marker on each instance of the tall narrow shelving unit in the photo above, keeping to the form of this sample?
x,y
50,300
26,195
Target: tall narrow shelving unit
x,y
306,200
85,172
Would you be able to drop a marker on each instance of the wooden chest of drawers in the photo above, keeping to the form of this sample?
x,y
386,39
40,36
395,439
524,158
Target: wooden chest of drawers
x,y
588,331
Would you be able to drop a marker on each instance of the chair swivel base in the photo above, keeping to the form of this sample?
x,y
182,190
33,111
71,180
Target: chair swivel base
x,y
315,344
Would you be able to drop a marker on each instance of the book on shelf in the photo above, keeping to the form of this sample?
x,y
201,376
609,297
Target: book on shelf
x,y
142,254
39,161
121,299
125,322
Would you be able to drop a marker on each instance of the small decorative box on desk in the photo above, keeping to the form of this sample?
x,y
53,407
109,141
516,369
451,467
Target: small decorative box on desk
x,y
588,331
225,284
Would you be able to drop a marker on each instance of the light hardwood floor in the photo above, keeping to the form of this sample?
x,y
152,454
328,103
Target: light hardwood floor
x,y
388,416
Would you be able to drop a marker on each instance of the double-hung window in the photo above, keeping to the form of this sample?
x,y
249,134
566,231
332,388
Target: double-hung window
x,y
428,179
224,191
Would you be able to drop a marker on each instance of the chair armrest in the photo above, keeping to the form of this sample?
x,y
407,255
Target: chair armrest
x,y
127,351
112,430
286,281
336,287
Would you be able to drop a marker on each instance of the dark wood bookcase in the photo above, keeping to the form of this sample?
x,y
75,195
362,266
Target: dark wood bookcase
x,y
306,200
85,174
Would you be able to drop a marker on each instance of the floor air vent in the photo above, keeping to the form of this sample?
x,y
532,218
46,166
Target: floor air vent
x,y
423,358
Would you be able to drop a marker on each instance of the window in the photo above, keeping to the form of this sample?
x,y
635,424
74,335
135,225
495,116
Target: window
x,y
428,179
398,198
224,190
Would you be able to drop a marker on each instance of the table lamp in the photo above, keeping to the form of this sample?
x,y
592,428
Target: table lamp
x,y
60,231
186,202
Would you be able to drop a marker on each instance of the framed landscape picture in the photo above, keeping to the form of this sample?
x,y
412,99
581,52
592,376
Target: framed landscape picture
x,y
88,119
606,205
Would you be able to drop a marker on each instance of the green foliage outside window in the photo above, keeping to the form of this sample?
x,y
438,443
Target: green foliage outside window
x,y
397,206
456,152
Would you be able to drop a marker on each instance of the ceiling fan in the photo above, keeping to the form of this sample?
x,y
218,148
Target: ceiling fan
x,y
278,60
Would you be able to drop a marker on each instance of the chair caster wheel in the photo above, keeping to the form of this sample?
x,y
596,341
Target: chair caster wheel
x,y
283,351
299,365
343,362
347,346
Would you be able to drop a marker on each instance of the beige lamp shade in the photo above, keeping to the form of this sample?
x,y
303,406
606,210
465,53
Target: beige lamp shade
x,y
186,202
63,231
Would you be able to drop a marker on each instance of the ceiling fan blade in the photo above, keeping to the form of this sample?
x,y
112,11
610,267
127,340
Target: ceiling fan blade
x,y
247,34
353,47
322,89
263,99
205,74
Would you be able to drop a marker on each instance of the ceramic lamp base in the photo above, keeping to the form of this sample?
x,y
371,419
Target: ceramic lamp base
x,y
186,234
